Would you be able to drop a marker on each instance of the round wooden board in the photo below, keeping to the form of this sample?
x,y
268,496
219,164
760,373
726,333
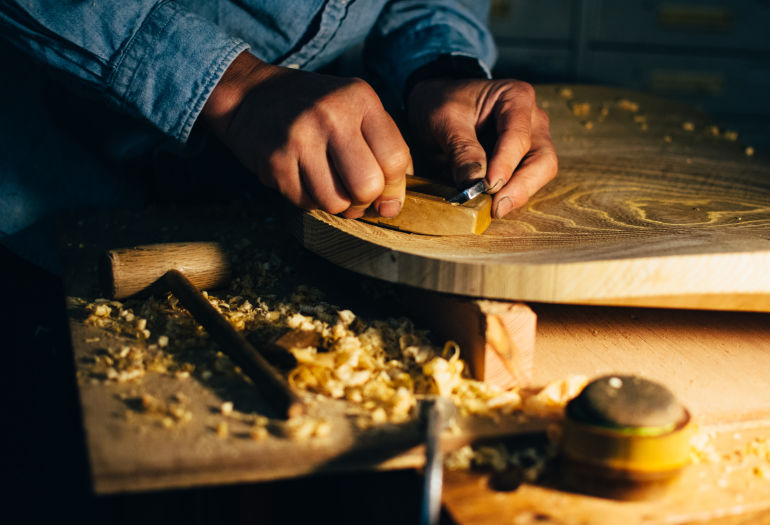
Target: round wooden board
x,y
651,207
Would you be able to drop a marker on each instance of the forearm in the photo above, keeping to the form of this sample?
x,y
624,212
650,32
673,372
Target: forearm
x,y
243,74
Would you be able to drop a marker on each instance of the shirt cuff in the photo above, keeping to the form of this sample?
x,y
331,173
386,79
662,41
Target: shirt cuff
x,y
446,67
396,56
169,68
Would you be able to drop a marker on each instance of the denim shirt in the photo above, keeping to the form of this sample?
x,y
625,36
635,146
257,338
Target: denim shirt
x,y
157,61
160,60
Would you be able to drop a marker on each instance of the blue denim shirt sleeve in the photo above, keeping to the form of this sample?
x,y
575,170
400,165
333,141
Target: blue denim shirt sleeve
x,y
152,58
159,61
412,33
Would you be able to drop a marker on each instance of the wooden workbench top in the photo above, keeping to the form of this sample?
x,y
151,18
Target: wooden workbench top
x,y
714,361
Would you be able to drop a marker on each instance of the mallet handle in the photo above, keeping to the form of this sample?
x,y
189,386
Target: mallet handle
x,y
272,385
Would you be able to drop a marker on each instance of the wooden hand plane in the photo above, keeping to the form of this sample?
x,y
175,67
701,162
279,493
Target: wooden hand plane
x,y
428,210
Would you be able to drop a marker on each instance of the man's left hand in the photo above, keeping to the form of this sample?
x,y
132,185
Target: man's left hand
x,y
451,115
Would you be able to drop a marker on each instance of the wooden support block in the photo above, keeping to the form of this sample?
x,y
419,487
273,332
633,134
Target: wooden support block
x,y
426,210
496,338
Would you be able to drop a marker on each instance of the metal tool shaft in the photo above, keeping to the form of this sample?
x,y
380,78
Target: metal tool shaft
x,y
472,191
434,459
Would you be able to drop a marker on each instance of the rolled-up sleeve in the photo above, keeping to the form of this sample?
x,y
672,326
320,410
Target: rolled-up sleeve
x,y
412,33
152,58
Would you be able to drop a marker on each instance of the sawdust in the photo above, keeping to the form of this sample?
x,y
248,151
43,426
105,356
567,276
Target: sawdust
x,y
628,105
530,462
580,109
379,367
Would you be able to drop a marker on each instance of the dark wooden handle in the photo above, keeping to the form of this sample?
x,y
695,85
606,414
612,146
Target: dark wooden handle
x,y
272,385
129,271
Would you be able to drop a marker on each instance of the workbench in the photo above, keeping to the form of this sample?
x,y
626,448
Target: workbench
x,y
715,362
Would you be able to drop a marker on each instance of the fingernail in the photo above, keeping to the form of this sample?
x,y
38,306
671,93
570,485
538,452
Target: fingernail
x,y
389,208
503,207
496,186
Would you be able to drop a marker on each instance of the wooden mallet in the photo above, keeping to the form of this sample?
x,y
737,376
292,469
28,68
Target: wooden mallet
x,y
184,269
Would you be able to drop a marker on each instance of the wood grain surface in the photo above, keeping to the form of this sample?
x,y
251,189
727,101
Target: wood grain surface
x,y
652,206
128,271
727,492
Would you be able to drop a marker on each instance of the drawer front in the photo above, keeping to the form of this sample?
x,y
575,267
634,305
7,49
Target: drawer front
x,y
737,24
531,19
717,84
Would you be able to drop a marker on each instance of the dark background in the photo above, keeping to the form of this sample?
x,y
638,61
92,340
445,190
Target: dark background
x,y
711,53
714,54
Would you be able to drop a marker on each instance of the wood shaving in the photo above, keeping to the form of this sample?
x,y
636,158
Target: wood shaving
x,y
305,427
378,367
382,366
168,413
499,457
628,105
580,109
551,400
702,449
259,433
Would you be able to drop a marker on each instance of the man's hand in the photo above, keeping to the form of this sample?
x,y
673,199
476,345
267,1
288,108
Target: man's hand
x,y
452,115
323,142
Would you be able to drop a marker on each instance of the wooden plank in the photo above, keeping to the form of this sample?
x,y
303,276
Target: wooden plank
x,y
131,449
656,211
731,490
715,362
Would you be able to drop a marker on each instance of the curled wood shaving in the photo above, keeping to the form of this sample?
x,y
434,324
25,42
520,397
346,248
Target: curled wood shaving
x,y
380,367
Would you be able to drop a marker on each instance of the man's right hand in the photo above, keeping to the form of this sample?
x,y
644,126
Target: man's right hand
x,y
323,142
